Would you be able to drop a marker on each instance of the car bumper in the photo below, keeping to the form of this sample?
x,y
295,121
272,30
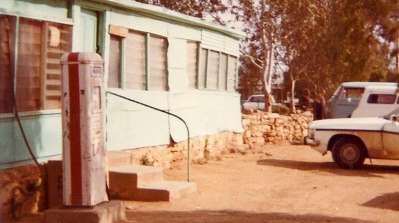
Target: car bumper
x,y
311,142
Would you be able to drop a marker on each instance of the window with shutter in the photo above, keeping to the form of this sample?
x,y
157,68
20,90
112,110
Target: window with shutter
x,y
38,76
29,67
192,64
7,24
59,41
114,71
213,71
231,73
223,72
135,69
157,63
203,69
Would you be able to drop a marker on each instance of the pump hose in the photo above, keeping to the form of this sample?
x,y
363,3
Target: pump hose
x,y
13,71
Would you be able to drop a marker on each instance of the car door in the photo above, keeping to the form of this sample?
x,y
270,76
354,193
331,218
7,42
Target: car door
x,y
390,140
256,103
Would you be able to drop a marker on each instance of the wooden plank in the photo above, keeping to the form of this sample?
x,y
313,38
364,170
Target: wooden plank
x,y
118,31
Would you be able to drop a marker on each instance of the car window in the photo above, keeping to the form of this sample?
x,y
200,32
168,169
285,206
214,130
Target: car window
x,y
256,99
260,99
381,99
352,93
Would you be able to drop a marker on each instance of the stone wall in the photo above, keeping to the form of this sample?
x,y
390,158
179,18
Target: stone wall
x,y
22,192
265,128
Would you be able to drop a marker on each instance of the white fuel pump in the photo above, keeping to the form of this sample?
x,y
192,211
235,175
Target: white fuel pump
x,y
83,101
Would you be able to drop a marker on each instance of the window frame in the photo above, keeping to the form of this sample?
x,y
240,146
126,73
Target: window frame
x,y
145,64
227,73
48,68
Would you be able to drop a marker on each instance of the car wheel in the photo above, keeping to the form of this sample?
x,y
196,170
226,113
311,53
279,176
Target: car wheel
x,y
348,153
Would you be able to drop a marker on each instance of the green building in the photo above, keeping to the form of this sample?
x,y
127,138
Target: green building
x,y
152,55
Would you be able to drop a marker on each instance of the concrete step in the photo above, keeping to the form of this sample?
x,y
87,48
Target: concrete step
x,y
135,175
166,190
107,212
118,159
145,183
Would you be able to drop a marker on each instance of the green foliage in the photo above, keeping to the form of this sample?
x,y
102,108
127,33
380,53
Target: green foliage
x,y
328,42
196,8
281,109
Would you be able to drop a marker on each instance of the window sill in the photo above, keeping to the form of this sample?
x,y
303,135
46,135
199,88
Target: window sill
x,y
31,113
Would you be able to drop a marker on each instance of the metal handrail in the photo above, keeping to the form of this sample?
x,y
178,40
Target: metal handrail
x,y
169,113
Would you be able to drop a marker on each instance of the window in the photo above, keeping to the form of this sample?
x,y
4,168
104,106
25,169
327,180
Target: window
x,y
6,75
217,71
213,71
38,77
223,72
144,60
114,68
231,73
352,93
381,99
203,69
157,63
192,64
135,73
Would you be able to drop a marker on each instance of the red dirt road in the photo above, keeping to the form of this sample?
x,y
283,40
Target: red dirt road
x,y
279,184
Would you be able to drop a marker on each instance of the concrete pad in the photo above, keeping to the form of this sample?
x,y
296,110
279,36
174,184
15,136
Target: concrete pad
x,y
107,212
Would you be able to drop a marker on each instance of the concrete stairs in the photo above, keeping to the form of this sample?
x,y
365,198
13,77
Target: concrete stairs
x,y
142,183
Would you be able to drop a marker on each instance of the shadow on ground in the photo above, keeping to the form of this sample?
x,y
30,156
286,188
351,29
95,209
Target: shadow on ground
x,y
367,170
230,216
386,201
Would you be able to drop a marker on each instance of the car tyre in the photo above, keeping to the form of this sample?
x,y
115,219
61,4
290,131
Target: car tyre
x,y
348,153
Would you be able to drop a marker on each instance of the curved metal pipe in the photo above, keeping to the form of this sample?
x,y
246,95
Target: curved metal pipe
x,y
171,114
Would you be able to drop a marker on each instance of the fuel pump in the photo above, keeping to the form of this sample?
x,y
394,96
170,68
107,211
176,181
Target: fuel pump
x,y
83,101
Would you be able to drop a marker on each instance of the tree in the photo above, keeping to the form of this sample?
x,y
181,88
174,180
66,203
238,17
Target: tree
x,y
197,8
327,42
260,21
302,26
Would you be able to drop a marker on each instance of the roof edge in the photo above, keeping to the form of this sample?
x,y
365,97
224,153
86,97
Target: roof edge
x,y
162,13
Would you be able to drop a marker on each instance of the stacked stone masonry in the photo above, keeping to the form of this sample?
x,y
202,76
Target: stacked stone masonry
x,y
271,128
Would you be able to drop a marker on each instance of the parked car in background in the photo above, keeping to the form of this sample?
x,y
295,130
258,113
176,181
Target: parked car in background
x,y
288,102
347,97
352,140
377,101
257,102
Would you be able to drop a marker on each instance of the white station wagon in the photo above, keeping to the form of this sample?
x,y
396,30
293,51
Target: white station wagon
x,y
352,140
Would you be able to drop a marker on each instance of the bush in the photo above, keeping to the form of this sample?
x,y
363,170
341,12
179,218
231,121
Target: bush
x,y
281,109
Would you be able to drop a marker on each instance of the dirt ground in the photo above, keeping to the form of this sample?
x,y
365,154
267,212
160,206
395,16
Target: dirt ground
x,y
279,184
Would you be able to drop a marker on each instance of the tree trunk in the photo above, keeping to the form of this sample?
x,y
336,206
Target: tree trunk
x,y
292,103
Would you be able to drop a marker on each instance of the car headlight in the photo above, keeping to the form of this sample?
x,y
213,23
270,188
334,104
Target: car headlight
x,y
311,133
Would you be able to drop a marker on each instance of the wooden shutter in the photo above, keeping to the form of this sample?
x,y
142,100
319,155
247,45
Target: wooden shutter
x,y
231,76
157,63
135,68
56,46
7,33
203,69
223,72
29,65
114,73
192,65
213,71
